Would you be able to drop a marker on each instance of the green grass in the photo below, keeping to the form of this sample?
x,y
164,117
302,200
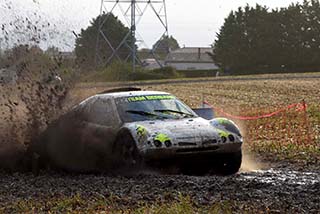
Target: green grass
x,y
297,141
112,204
303,154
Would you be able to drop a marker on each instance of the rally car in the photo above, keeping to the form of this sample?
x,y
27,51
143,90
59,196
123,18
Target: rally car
x,y
130,128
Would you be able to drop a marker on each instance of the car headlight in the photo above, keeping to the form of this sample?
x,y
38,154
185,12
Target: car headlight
x,y
157,143
231,138
225,124
168,143
224,139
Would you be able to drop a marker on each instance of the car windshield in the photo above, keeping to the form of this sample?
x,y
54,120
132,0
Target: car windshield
x,y
152,107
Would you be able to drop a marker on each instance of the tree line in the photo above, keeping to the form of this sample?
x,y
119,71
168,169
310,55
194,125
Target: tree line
x,y
102,38
260,40
252,40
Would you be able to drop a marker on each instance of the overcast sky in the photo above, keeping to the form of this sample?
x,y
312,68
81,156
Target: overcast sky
x,y
192,23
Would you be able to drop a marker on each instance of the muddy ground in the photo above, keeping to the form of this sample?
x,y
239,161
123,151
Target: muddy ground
x,y
275,187
279,190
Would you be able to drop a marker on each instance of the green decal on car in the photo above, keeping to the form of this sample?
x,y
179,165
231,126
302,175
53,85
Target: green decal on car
x,y
136,99
162,138
150,97
160,97
223,134
223,121
141,131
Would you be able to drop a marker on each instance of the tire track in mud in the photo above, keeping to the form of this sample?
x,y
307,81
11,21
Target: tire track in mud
x,y
284,191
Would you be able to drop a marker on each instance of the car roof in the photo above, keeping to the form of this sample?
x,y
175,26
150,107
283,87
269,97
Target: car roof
x,y
119,95
130,93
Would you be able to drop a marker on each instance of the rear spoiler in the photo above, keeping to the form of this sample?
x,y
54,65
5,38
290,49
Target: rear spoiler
x,y
206,113
125,89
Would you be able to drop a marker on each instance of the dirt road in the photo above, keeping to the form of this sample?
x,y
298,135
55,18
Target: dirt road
x,y
276,190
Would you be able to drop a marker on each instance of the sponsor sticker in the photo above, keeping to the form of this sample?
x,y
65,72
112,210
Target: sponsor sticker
x,y
142,133
150,97
162,138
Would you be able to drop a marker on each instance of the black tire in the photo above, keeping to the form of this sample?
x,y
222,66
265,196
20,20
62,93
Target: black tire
x,y
125,152
229,164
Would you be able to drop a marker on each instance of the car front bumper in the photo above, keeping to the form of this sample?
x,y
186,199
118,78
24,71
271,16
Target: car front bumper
x,y
188,152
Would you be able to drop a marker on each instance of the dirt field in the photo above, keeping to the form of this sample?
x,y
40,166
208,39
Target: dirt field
x,y
246,97
263,186
227,93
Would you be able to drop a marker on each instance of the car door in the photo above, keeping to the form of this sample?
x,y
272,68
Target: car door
x,y
102,112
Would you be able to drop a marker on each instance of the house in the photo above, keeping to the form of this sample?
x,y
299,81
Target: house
x,y
152,63
187,58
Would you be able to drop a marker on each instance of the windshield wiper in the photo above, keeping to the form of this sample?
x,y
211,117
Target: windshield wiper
x,y
174,111
143,113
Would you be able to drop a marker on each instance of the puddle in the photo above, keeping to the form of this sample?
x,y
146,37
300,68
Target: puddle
x,y
278,177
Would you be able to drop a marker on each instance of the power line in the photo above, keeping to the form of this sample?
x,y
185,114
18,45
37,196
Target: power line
x,y
132,11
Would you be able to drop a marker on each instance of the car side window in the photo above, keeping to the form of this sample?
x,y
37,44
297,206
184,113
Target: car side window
x,y
101,112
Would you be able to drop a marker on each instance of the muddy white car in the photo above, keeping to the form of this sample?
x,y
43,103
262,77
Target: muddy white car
x,y
133,128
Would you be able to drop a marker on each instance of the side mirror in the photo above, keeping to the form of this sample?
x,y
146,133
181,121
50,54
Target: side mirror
x,y
206,113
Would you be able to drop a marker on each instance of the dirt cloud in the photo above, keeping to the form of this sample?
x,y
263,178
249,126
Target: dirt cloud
x,y
27,105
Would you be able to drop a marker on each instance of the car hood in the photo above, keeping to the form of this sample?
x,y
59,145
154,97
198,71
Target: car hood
x,y
179,131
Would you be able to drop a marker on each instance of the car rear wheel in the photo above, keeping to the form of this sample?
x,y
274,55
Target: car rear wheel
x,y
125,151
229,164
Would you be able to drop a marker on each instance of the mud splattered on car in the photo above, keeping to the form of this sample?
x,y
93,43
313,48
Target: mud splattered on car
x,y
130,128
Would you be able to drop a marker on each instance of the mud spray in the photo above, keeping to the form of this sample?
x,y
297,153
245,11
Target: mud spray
x,y
27,105
32,93
249,162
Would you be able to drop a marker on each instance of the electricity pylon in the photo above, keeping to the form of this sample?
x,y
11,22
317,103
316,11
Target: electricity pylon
x,y
132,11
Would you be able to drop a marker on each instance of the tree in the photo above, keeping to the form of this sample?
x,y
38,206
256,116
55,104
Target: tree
x,y
228,49
113,29
257,40
165,44
311,33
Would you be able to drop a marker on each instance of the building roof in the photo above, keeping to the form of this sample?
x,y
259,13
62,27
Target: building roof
x,y
194,55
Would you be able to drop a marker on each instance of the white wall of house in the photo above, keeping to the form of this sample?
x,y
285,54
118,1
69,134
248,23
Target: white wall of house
x,y
151,64
192,66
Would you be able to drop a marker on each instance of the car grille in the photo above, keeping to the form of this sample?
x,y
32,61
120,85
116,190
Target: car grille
x,y
208,142
199,149
187,144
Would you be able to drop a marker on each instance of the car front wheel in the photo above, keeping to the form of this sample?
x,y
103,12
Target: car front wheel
x,y
125,152
229,164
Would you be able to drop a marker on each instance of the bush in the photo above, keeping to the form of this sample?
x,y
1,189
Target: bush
x,y
160,73
118,71
199,73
